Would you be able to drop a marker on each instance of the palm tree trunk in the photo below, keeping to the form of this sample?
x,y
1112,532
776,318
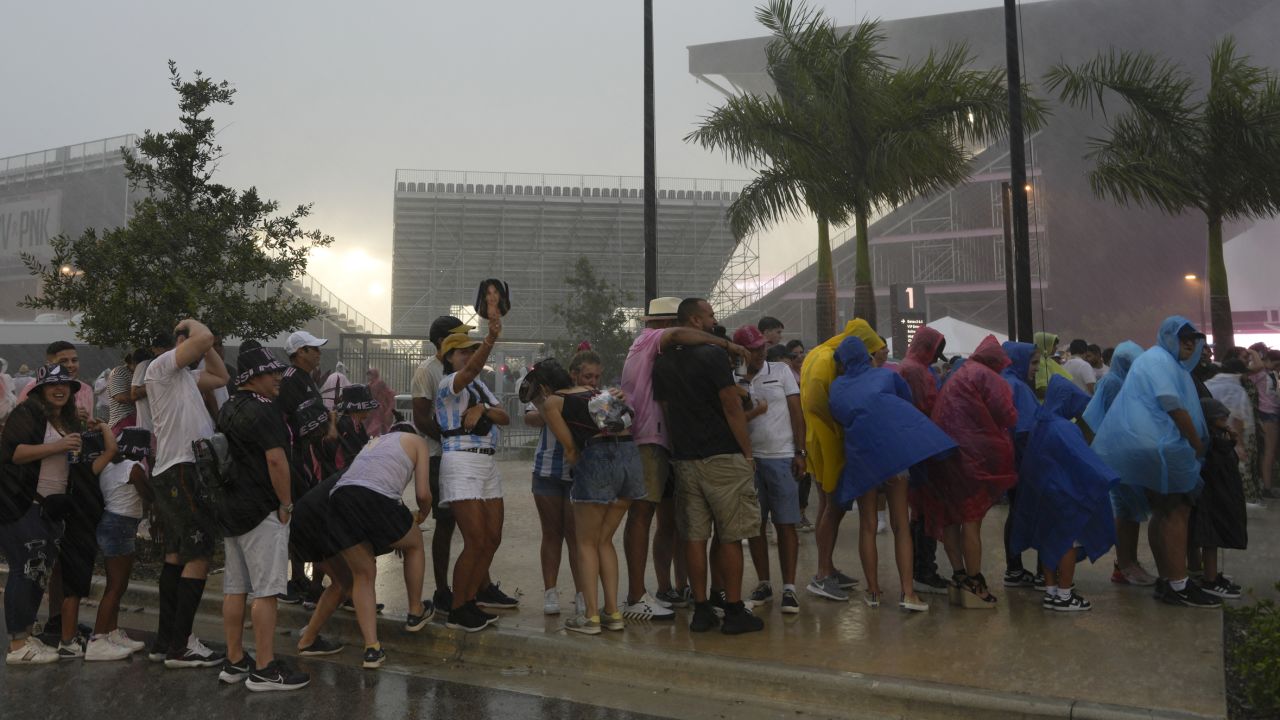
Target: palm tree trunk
x,y
826,299
1219,299
864,294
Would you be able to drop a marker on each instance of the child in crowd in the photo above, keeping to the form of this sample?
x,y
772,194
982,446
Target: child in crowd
x,y
1218,519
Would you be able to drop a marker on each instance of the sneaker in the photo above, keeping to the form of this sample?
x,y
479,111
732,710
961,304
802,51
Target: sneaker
x,y
1222,587
827,587
157,653
309,605
373,658
551,602
350,606
493,597
804,525
233,673
1161,588
1136,575
277,676
442,599
738,620
846,582
671,598
762,594
1075,603
1190,596
119,637
466,619
871,599
489,618
321,646
414,623
790,603
70,650
195,655
613,621
583,624
647,608
1019,579
912,604
1047,601
686,594
932,584
704,618
719,602
292,596
33,652
1038,582
101,648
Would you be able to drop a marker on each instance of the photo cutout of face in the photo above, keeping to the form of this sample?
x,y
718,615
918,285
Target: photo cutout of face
x,y
493,299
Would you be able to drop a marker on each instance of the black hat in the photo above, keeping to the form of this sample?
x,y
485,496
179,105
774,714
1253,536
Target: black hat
x,y
357,398
1189,331
255,361
134,443
55,374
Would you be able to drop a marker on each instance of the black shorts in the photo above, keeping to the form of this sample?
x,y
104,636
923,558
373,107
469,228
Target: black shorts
x,y
437,512
189,531
310,529
359,515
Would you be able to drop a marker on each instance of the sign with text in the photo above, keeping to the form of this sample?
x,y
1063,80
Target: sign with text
x,y
27,222
906,315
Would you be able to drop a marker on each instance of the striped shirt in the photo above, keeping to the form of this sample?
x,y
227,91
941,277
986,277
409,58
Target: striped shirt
x,y
450,407
548,460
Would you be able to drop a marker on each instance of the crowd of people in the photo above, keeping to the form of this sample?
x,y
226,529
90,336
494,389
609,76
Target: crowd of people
x,y
710,439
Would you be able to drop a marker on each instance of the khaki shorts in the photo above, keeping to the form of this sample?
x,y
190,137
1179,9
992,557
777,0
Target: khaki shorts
x,y
655,462
717,492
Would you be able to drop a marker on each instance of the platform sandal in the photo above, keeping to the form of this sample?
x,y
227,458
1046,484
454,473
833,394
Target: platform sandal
x,y
974,595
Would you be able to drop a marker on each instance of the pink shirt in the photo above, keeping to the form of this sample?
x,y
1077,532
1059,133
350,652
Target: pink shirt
x,y
84,397
1267,400
637,382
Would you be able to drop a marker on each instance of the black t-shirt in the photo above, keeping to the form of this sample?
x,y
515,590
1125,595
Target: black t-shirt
x,y
253,425
688,379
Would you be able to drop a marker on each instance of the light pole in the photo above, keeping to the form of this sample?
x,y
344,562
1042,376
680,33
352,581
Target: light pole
x,y
650,167
1199,286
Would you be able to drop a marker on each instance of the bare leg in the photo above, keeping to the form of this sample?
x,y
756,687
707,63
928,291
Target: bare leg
x,y
900,523
729,557
695,552
441,547
829,518
118,570
264,630
467,574
589,518
954,547
364,572
1270,439
971,533
664,546
759,546
1127,532
867,540
339,586
551,513
415,567
233,625
635,543
788,552
608,556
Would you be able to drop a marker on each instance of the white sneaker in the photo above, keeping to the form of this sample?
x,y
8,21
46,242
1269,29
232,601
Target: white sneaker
x,y
101,648
647,608
119,637
551,602
580,604
33,652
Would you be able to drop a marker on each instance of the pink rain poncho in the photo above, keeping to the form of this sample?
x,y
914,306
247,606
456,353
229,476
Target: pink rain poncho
x,y
917,368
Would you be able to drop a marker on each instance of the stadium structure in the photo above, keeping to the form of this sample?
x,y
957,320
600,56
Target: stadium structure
x,y
72,188
1099,270
454,229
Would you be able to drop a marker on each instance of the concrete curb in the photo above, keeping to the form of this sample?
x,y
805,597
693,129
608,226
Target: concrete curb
x,y
817,691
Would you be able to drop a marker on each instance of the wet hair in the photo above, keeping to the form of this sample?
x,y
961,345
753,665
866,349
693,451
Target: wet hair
x,y
768,322
440,327
584,357
548,372
777,353
68,417
57,347
1234,365
793,344
687,308
1095,349
1078,347
1107,354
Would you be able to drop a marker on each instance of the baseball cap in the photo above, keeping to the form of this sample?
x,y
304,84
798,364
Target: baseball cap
x,y
456,341
444,325
1190,331
301,339
749,337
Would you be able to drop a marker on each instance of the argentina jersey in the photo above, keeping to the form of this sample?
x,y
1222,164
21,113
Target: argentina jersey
x,y
450,408
548,460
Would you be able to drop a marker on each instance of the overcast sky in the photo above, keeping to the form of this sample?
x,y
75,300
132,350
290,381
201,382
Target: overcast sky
x,y
333,97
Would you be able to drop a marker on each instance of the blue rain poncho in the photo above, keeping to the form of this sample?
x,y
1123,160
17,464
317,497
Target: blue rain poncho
x,y
1024,398
884,433
1137,437
1063,487
1108,387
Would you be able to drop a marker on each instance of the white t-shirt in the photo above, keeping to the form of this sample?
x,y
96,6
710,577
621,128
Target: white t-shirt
x,y
1081,372
771,432
121,497
143,406
425,384
1098,372
177,409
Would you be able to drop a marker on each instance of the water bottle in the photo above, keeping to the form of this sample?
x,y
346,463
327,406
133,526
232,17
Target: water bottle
x,y
73,457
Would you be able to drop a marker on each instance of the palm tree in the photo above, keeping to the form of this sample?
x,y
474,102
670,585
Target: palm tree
x,y
1178,148
848,134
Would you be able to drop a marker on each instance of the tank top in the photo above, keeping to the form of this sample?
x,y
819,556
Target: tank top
x,y
53,469
576,415
382,466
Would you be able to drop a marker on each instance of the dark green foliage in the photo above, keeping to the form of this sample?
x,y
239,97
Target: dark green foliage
x,y
595,312
191,248
1255,655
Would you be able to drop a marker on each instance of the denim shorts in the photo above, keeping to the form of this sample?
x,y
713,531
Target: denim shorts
x,y
1267,417
551,486
608,470
117,534
778,490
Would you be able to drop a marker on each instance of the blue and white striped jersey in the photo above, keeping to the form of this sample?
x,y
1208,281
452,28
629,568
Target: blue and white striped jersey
x,y
451,406
548,460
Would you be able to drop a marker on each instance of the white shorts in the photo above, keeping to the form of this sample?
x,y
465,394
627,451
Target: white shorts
x,y
258,561
468,476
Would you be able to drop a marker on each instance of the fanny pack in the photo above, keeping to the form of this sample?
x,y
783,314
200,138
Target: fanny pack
x,y
55,508
482,427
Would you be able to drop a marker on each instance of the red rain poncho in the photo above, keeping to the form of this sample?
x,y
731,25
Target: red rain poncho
x,y
974,407
921,355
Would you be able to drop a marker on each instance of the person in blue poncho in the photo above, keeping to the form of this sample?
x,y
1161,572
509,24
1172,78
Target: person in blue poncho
x,y
884,435
1024,361
1064,506
1128,503
1154,435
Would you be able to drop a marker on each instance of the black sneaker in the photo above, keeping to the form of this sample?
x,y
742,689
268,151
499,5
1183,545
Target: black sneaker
x,y
373,658
1222,587
493,597
790,603
1191,596
1019,579
1047,601
738,620
233,673
1160,589
322,646
442,600
466,619
414,623
719,601
932,583
1075,603
704,618
291,596
195,655
350,606
1038,582
762,594
277,676
489,618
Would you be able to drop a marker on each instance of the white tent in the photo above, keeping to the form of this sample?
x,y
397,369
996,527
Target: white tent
x,y
962,337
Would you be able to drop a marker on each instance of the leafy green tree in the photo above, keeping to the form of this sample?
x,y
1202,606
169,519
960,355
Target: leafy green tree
x,y
848,134
1181,148
191,248
595,312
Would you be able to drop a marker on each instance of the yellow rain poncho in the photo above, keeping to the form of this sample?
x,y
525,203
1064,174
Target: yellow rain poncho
x,y
1048,366
824,438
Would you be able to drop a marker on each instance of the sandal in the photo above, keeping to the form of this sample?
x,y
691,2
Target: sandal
x,y
974,594
953,588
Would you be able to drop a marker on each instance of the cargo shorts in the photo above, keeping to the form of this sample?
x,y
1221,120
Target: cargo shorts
x,y
717,494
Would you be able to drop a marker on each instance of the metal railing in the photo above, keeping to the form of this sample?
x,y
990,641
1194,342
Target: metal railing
x,y
336,305
494,183
56,161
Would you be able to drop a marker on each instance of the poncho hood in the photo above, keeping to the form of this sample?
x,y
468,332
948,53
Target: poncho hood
x,y
1063,400
1020,354
990,353
1126,352
1167,339
853,355
925,346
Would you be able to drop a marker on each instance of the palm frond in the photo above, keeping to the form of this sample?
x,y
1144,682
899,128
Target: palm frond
x,y
1156,89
